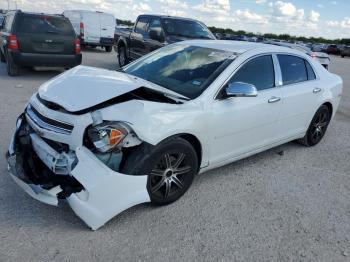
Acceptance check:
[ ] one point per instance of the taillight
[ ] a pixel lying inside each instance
(12, 42)
(77, 47)
(81, 29)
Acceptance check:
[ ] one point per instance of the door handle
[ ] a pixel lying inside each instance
(316, 90)
(274, 99)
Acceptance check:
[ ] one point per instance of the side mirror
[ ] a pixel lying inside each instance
(239, 89)
(156, 35)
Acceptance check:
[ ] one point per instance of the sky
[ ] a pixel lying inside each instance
(329, 19)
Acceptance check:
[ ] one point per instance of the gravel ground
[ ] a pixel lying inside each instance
(270, 207)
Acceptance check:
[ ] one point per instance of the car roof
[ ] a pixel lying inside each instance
(168, 16)
(237, 47)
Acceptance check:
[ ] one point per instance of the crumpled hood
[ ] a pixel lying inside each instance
(83, 87)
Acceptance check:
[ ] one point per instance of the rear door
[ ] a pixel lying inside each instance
(137, 38)
(300, 91)
(44, 34)
(107, 22)
(92, 27)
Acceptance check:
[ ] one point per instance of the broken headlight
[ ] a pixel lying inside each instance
(108, 135)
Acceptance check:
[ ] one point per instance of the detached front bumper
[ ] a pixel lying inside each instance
(95, 192)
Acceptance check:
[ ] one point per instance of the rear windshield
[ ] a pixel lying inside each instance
(185, 28)
(41, 24)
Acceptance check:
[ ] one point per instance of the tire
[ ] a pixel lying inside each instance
(108, 49)
(122, 58)
(170, 166)
(317, 127)
(12, 69)
(2, 57)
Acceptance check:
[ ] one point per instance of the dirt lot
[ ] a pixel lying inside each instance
(269, 207)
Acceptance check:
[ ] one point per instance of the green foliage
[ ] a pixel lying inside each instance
(125, 22)
(286, 37)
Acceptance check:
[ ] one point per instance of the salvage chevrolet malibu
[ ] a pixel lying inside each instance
(105, 141)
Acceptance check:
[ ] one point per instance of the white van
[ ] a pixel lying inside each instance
(93, 28)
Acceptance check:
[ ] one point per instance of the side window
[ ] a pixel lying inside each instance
(258, 71)
(155, 25)
(293, 69)
(8, 23)
(310, 72)
(141, 25)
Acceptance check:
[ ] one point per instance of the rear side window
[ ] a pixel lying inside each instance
(141, 25)
(258, 72)
(8, 23)
(44, 25)
(310, 72)
(293, 69)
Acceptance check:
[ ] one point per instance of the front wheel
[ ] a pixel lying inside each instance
(170, 166)
(317, 128)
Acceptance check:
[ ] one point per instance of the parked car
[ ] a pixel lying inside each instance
(93, 28)
(31, 39)
(319, 48)
(2, 16)
(345, 51)
(107, 140)
(333, 50)
(152, 32)
(323, 58)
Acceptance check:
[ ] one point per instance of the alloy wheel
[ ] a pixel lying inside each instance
(169, 174)
(319, 126)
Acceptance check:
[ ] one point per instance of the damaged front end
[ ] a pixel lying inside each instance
(87, 178)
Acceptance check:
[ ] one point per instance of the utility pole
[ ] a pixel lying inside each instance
(8, 5)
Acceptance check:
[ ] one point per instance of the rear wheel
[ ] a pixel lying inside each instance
(12, 69)
(122, 59)
(170, 167)
(108, 49)
(2, 57)
(317, 128)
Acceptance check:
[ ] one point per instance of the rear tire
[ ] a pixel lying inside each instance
(317, 127)
(12, 69)
(2, 57)
(108, 49)
(122, 58)
(170, 166)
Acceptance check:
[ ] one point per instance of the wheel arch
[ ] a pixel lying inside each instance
(194, 142)
(329, 106)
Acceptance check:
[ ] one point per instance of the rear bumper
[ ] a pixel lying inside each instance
(50, 60)
(104, 41)
(95, 192)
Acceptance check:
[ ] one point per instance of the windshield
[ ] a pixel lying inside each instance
(42, 24)
(186, 28)
(187, 70)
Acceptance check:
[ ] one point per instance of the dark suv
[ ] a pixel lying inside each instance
(31, 39)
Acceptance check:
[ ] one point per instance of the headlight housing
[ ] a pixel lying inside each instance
(108, 135)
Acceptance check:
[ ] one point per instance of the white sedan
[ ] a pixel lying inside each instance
(105, 141)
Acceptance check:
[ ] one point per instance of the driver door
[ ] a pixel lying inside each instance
(246, 124)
